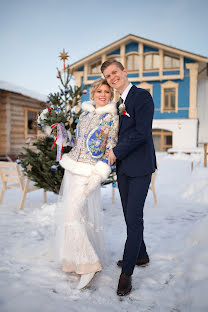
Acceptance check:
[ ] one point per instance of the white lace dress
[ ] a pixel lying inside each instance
(79, 235)
(80, 228)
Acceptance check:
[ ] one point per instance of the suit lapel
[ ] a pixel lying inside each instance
(129, 97)
(127, 104)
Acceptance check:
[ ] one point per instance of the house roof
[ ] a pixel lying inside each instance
(127, 39)
(7, 86)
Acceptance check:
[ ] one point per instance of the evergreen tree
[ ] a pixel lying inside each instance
(41, 163)
(63, 107)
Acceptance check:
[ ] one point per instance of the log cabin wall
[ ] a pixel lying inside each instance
(4, 120)
(13, 121)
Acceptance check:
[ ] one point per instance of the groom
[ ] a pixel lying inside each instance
(135, 162)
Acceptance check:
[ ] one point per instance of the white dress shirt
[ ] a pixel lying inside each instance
(126, 91)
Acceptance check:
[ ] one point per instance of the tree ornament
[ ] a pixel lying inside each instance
(54, 168)
(63, 55)
(29, 167)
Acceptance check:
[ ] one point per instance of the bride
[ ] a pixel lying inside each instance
(79, 232)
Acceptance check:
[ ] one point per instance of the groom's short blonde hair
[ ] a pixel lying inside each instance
(110, 62)
(96, 84)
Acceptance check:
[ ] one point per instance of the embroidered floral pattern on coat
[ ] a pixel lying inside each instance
(95, 135)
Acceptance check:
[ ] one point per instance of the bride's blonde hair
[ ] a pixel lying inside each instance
(96, 84)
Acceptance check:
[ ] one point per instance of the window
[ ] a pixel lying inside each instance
(169, 97)
(132, 62)
(171, 62)
(95, 67)
(151, 61)
(162, 139)
(169, 101)
(30, 122)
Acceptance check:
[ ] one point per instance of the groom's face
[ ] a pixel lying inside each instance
(116, 77)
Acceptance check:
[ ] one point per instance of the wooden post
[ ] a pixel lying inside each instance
(113, 195)
(44, 196)
(205, 155)
(24, 193)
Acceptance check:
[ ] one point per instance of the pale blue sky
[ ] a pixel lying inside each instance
(33, 32)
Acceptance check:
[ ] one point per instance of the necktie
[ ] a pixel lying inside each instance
(120, 100)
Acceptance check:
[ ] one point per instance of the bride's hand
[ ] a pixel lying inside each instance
(93, 182)
(111, 158)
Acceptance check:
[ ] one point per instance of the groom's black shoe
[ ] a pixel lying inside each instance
(139, 262)
(124, 285)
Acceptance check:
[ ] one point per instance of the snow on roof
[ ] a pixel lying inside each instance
(4, 85)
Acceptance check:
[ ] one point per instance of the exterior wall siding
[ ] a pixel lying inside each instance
(149, 49)
(3, 123)
(114, 52)
(131, 47)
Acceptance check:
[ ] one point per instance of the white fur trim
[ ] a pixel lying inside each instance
(76, 167)
(84, 169)
(89, 106)
(102, 169)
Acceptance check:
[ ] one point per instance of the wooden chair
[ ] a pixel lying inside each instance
(11, 177)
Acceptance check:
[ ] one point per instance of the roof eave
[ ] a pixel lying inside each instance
(129, 37)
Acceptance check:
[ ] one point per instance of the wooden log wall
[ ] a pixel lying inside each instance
(12, 121)
(4, 116)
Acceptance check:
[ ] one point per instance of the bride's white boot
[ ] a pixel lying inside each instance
(85, 279)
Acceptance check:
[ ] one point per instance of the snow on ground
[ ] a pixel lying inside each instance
(176, 280)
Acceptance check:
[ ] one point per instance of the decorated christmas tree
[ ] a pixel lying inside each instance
(57, 123)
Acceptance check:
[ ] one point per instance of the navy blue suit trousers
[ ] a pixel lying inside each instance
(133, 192)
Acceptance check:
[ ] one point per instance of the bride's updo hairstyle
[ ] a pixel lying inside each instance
(96, 84)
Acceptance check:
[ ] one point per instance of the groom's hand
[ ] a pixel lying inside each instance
(111, 158)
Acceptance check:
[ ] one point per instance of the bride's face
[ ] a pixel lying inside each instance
(102, 96)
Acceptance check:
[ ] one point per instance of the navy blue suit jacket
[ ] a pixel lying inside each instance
(135, 151)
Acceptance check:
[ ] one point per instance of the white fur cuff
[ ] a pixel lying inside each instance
(76, 167)
(102, 169)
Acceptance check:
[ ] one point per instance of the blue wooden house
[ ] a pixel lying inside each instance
(171, 76)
